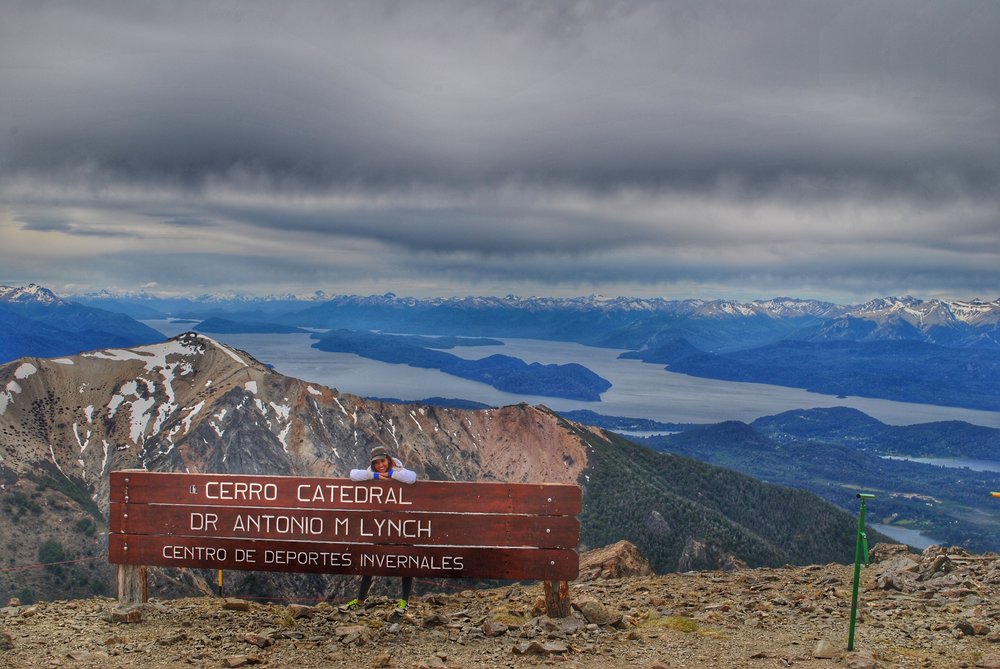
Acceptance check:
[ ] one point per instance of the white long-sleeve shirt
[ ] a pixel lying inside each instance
(397, 473)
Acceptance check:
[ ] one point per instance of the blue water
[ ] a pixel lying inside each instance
(956, 463)
(639, 390)
(913, 538)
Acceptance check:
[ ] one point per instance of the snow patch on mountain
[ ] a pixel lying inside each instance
(977, 312)
(7, 396)
(24, 371)
(195, 410)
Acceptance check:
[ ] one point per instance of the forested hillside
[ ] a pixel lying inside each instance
(667, 504)
(836, 462)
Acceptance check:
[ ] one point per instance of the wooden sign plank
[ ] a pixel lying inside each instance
(344, 558)
(379, 527)
(138, 486)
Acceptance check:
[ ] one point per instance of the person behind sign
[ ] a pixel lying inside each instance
(383, 466)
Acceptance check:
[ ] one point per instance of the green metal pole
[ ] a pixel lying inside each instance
(860, 555)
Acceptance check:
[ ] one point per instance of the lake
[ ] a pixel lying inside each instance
(639, 390)
(955, 463)
(904, 536)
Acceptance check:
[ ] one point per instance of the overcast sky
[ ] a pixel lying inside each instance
(838, 150)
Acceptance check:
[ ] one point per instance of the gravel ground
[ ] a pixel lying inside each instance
(938, 609)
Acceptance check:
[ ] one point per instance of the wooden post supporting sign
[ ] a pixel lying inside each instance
(557, 603)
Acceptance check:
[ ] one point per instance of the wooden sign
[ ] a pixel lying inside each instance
(142, 487)
(377, 527)
(345, 558)
(325, 525)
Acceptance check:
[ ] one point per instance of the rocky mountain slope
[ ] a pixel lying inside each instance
(191, 404)
(938, 609)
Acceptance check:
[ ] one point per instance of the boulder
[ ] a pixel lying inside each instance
(883, 552)
(862, 659)
(234, 604)
(615, 561)
(301, 611)
(699, 555)
(596, 613)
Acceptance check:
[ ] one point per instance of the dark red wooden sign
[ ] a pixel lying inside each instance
(137, 486)
(327, 525)
(377, 527)
(342, 558)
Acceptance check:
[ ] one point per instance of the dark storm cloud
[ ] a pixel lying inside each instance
(182, 220)
(659, 141)
(644, 93)
(46, 225)
(69, 228)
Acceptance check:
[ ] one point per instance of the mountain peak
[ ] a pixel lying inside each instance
(30, 294)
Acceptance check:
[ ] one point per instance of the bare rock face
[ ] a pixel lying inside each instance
(615, 561)
(698, 555)
(936, 570)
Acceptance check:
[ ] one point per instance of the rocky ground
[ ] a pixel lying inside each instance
(936, 609)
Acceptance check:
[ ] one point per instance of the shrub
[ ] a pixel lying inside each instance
(51, 552)
(86, 526)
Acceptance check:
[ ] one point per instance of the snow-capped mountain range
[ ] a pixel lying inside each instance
(911, 309)
(618, 322)
(932, 312)
(30, 294)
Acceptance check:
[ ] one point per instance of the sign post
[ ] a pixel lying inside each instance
(860, 555)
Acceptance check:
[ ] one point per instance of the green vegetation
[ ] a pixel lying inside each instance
(653, 621)
(836, 453)
(85, 526)
(840, 425)
(50, 553)
(74, 490)
(18, 503)
(664, 503)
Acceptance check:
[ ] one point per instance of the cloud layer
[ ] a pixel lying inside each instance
(823, 149)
